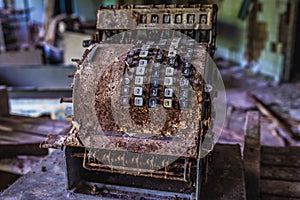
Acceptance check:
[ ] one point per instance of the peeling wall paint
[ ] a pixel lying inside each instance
(271, 59)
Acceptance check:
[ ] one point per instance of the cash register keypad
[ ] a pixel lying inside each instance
(154, 76)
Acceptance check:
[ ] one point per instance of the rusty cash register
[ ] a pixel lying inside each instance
(141, 103)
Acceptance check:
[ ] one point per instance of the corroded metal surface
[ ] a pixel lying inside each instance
(85, 88)
(162, 141)
(197, 21)
(188, 17)
(50, 183)
(94, 105)
(183, 169)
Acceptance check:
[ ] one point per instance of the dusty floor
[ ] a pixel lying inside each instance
(284, 99)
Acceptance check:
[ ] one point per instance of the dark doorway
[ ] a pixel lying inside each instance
(295, 68)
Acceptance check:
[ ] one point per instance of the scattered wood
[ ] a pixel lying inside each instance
(280, 188)
(252, 155)
(11, 150)
(276, 133)
(225, 174)
(293, 150)
(272, 197)
(23, 135)
(230, 136)
(276, 118)
(280, 174)
(291, 121)
(280, 156)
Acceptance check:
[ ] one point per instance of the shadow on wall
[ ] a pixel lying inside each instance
(229, 32)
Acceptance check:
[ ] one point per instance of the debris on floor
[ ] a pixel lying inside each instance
(283, 100)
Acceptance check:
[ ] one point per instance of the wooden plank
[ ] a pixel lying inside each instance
(19, 137)
(225, 176)
(13, 150)
(280, 188)
(33, 120)
(4, 105)
(252, 155)
(280, 173)
(272, 197)
(281, 150)
(36, 126)
(46, 129)
(277, 119)
(281, 156)
(23, 135)
(284, 160)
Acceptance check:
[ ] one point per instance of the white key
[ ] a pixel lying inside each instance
(140, 70)
(138, 101)
(169, 71)
(139, 80)
(143, 63)
(168, 81)
(172, 54)
(168, 92)
(138, 91)
(143, 54)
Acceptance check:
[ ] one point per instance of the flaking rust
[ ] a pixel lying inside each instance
(72, 138)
